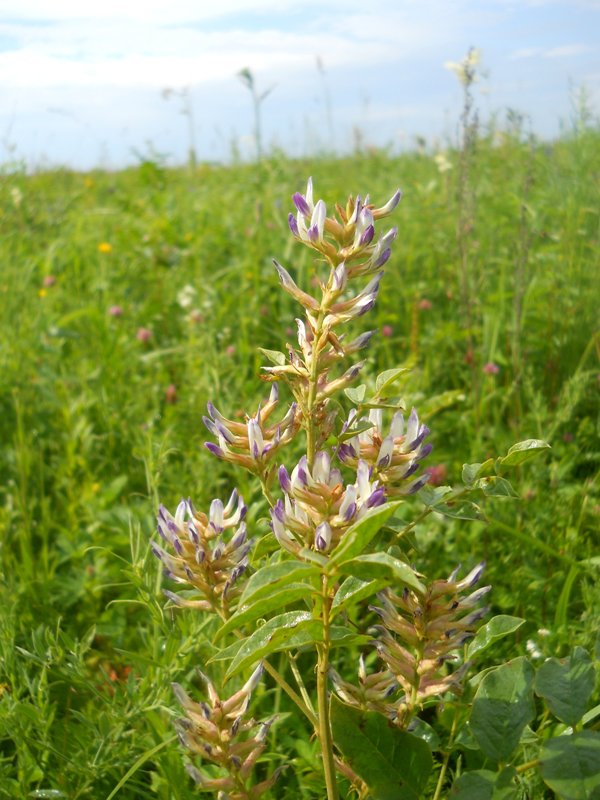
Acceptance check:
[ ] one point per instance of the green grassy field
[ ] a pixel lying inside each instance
(131, 299)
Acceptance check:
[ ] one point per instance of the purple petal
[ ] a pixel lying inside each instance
(210, 425)
(392, 202)
(313, 233)
(214, 449)
(383, 257)
(323, 536)
(300, 202)
(418, 484)
(193, 533)
(424, 451)
(346, 451)
(367, 235)
(362, 340)
(377, 498)
(278, 511)
(367, 306)
(284, 480)
(293, 225)
(177, 545)
(240, 537)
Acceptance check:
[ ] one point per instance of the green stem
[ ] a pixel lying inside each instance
(266, 491)
(445, 762)
(529, 765)
(311, 425)
(427, 511)
(292, 694)
(303, 692)
(325, 735)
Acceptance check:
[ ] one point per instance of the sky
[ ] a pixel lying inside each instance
(106, 84)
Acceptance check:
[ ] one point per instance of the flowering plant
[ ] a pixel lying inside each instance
(333, 576)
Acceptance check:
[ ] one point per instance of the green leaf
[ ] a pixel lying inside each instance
(460, 509)
(567, 685)
(475, 785)
(283, 596)
(288, 631)
(394, 764)
(279, 633)
(502, 707)
(228, 652)
(359, 535)
(432, 405)
(493, 486)
(497, 628)
(342, 637)
(316, 558)
(387, 378)
(591, 715)
(470, 472)
(523, 451)
(274, 577)
(274, 356)
(433, 495)
(570, 765)
(422, 730)
(382, 565)
(350, 433)
(356, 394)
(482, 784)
(352, 591)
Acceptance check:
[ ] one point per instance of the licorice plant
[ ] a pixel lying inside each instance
(330, 582)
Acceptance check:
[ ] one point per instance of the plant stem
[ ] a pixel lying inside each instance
(291, 693)
(266, 491)
(528, 765)
(303, 692)
(311, 423)
(442, 775)
(325, 736)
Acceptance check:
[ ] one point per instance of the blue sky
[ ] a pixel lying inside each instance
(83, 84)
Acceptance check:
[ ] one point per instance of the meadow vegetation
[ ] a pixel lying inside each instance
(131, 299)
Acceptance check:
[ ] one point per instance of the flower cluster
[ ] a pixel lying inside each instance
(372, 692)
(418, 635)
(318, 508)
(350, 245)
(210, 552)
(349, 238)
(252, 444)
(395, 456)
(216, 731)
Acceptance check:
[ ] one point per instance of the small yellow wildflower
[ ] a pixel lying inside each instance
(105, 247)
(42, 292)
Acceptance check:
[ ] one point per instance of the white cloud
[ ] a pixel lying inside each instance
(108, 47)
(525, 52)
(172, 57)
(567, 50)
(157, 11)
(563, 51)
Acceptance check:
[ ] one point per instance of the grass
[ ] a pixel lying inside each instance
(96, 424)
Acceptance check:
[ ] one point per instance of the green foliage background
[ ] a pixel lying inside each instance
(90, 437)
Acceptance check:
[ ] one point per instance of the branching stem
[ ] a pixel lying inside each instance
(325, 735)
